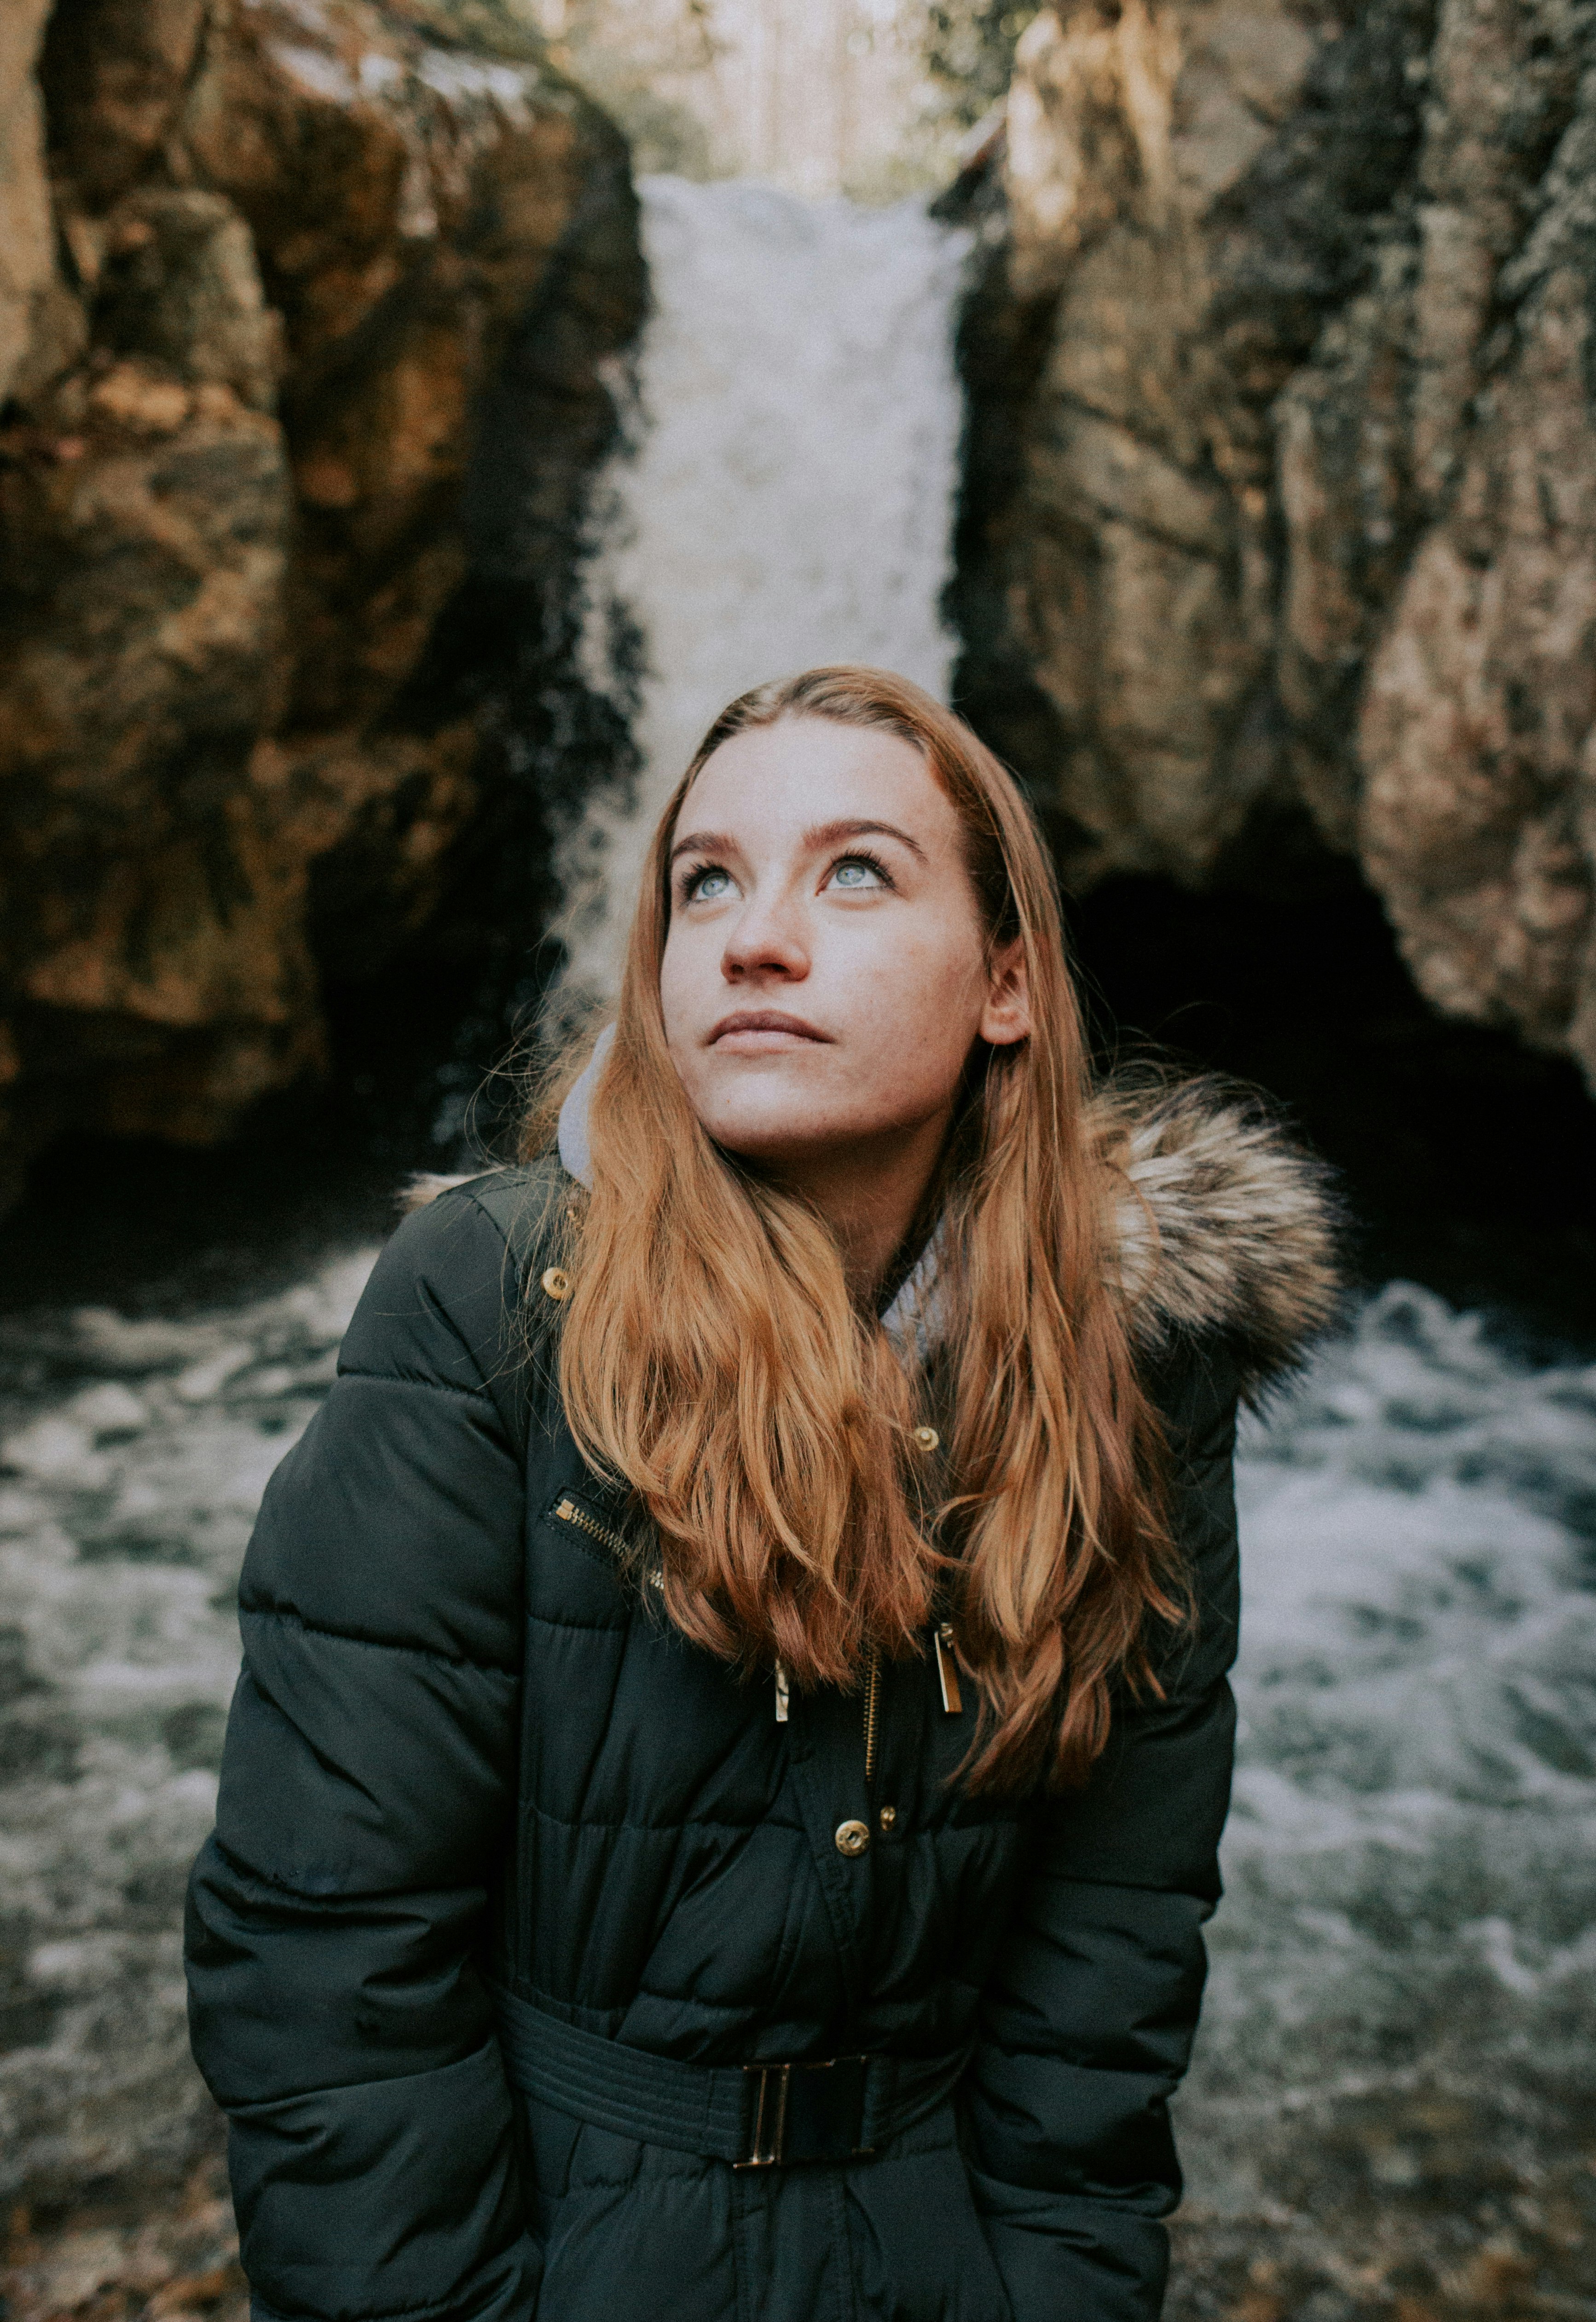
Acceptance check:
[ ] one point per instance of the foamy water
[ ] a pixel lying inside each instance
(1410, 1861)
(787, 497)
(130, 1473)
(1411, 1864)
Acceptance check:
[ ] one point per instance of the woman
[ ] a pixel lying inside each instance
(722, 1794)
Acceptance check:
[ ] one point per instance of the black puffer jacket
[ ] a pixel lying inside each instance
(467, 1755)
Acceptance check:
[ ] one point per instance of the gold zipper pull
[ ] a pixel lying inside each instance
(569, 1512)
(781, 1695)
(947, 1671)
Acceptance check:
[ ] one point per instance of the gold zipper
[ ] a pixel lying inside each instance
(947, 1670)
(569, 1512)
(873, 1701)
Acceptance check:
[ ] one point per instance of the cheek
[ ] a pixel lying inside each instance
(680, 973)
(917, 1010)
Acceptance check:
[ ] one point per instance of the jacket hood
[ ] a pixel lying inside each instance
(1225, 1226)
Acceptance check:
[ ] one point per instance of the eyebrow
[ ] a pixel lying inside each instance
(824, 834)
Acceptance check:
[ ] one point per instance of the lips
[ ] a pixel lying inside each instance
(771, 1021)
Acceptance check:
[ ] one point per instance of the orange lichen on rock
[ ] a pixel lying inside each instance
(292, 256)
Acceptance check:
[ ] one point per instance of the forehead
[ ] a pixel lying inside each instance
(777, 780)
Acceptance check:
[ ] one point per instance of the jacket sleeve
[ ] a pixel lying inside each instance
(334, 1918)
(1087, 2024)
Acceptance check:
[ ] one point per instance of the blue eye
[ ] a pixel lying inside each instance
(856, 873)
(709, 886)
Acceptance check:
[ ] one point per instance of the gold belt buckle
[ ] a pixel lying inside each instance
(839, 2084)
(769, 2116)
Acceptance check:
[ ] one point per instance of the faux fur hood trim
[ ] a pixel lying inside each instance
(1226, 1228)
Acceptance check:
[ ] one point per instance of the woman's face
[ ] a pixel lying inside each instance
(825, 975)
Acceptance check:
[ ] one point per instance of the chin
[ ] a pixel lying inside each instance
(798, 1137)
(761, 1114)
(767, 1140)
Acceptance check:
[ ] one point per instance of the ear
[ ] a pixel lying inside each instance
(1007, 1015)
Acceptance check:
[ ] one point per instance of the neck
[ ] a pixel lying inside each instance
(870, 1194)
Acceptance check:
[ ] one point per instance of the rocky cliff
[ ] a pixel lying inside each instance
(1282, 491)
(272, 274)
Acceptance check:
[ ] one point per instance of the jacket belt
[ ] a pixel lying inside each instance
(754, 2116)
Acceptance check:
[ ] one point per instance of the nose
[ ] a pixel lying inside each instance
(767, 938)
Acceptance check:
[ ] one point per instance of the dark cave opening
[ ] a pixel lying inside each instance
(156, 1228)
(1467, 1161)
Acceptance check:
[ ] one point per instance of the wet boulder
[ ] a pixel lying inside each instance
(290, 258)
(25, 235)
(1280, 515)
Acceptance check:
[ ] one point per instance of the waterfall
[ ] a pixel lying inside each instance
(785, 498)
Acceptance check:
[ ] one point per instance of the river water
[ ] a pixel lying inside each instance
(1393, 2104)
(1398, 2058)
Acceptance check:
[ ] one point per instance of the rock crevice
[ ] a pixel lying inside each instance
(1288, 310)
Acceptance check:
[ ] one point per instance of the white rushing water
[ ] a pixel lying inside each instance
(787, 496)
(1411, 1861)
(133, 1461)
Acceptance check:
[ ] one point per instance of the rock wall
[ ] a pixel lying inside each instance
(1283, 461)
(269, 272)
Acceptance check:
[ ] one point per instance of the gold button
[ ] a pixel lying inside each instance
(852, 1838)
(928, 1438)
(557, 1282)
(889, 1816)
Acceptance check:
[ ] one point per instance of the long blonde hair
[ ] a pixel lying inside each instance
(713, 1359)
